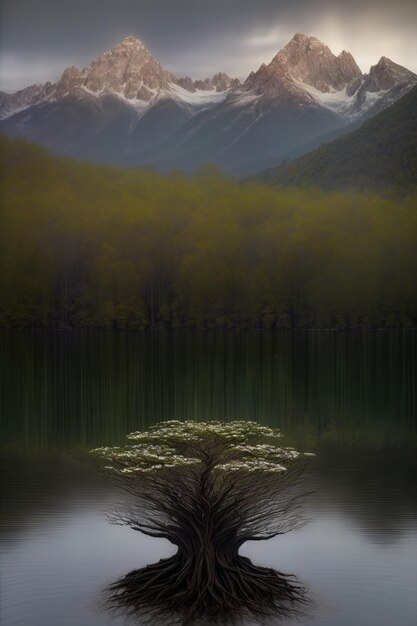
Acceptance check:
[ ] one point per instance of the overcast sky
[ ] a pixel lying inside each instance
(39, 38)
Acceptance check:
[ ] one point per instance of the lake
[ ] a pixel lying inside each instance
(349, 396)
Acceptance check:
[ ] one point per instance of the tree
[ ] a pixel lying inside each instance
(208, 487)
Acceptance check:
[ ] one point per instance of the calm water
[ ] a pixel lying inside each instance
(351, 395)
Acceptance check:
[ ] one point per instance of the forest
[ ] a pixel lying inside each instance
(85, 246)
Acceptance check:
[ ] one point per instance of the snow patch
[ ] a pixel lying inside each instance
(12, 111)
(371, 98)
(243, 98)
(337, 101)
(198, 98)
(140, 106)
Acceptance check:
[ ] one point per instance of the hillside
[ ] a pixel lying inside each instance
(381, 153)
(96, 246)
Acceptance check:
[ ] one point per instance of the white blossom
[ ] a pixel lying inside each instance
(239, 445)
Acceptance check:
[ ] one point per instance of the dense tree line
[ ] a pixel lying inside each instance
(89, 246)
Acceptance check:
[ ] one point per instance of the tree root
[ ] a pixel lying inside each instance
(183, 591)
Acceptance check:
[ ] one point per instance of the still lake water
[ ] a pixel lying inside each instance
(351, 396)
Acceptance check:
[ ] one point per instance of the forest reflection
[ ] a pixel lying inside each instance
(66, 389)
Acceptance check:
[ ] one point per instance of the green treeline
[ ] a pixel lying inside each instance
(89, 246)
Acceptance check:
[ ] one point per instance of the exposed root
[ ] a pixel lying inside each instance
(208, 488)
(182, 591)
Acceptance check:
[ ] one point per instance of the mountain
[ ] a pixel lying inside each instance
(271, 114)
(305, 61)
(22, 99)
(382, 152)
(125, 107)
(96, 113)
(128, 70)
(305, 93)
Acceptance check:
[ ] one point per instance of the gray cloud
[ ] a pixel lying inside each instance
(39, 38)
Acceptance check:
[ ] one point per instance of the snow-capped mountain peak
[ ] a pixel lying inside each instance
(312, 62)
(306, 72)
(128, 69)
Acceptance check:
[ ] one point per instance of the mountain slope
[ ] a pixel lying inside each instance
(238, 140)
(382, 152)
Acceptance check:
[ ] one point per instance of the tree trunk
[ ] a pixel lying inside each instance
(206, 578)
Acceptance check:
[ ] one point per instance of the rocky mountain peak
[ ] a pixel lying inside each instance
(9, 103)
(128, 42)
(346, 58)
(310, 61)
(130, 49)
(220, 82)
(300, 38)
(305, 62)
(70, 79)
(129, 69)
(386, 74)
(300, 46)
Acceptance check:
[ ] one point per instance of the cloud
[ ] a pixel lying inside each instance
(39, 38)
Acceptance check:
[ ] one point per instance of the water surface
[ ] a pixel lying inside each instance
(351, 395)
